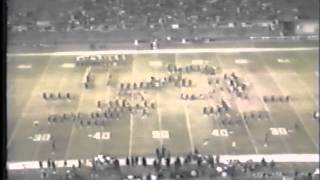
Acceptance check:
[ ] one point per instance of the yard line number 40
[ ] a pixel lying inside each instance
(100, 135)
(220, 132)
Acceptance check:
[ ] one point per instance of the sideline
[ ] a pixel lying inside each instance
(278, 158)
(165, 51)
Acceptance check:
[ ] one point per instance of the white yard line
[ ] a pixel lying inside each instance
(220, 139)
(36, 152)
(272, 120)
(101, 140)
(24, 66)
(245, 125)
(131, 136)
(186, 112)
(249, 133)
(73, 125)
(293, 108)
(159, 119)
(278, 158)
(166, 51)
(68, 65)
(84, 78)
(220, 126)
(131, 115)
(307, 88)
(27, 106)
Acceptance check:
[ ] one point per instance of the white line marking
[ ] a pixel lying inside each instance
(293, 108)
(100, 149)
(266, 107)
(156, 64)
(131, 135)
(36, 152)
(24, 66)
(186, 112)
(68, 65)
(27, 106)
(272, 120)
(249, 133)
(84, 78)
(159, 119)
(131, 116)
(166, 51)
(252, 140)
(283, 60)
(197, 62)
(73, 125)
(307, 88)
(241, 61)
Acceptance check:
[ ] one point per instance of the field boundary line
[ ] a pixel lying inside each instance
(166, 51)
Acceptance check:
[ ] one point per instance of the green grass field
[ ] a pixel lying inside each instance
(188, 128)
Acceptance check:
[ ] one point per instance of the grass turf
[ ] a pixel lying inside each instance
(187, 127)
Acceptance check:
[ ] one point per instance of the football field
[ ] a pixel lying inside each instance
(179, 125)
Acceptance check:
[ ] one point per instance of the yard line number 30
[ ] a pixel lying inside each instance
(41, 137)
(279, 131)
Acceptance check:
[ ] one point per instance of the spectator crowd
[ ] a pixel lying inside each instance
(164, 166)
(100, 15)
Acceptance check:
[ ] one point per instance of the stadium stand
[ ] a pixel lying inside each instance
(163, 15)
